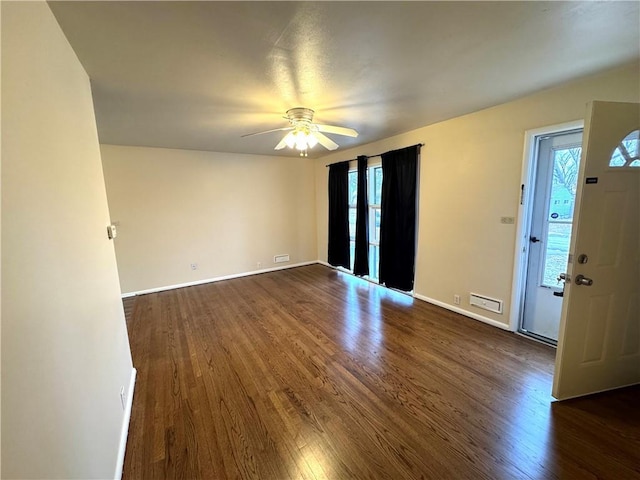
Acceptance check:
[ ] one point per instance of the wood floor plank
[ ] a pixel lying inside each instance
(309, 373)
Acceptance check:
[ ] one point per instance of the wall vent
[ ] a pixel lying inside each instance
(281, 258)
(487, 303)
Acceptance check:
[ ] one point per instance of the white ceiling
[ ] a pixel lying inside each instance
(198, 75)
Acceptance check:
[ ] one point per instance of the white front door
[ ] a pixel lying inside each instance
(557, 165)
(599, 339)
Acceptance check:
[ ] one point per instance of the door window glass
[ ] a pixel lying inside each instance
(626, 153)
(564, 184)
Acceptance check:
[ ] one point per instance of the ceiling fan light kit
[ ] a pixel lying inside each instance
(303, 134)
(300, 140)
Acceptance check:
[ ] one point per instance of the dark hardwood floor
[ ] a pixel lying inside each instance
(312, 373)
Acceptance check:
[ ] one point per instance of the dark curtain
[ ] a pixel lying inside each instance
(338, 254)
(361, 262)
(398, 218)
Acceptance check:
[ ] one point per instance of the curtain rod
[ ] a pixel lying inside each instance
(376, 155)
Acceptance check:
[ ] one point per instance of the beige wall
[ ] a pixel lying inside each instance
(224, 212)
(470, 177)
(65, 351)
(0, 261)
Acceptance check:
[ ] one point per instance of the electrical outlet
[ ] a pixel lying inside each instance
(456, 299)
(194, 266)
(123, 397)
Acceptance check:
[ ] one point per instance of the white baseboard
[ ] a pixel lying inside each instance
(462, 311)
(216, 279)
(124, 433)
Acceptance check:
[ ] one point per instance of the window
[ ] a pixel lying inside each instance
(374, 182)
(564, 183)
(353, 200)
(626, 153)
(375, 200)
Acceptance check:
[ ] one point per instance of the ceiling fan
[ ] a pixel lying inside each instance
(304, 134)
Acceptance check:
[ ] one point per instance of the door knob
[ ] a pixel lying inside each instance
(582, 280)
(534, 239)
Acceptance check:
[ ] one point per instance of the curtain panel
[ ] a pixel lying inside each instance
(338, 251)
(398, 218)
(361, 261)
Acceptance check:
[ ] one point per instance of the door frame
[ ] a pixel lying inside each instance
(525, 214)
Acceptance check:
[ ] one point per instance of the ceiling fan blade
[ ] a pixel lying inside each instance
(325, 141)
(282, 144)
(347, 132)
(268, 131)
